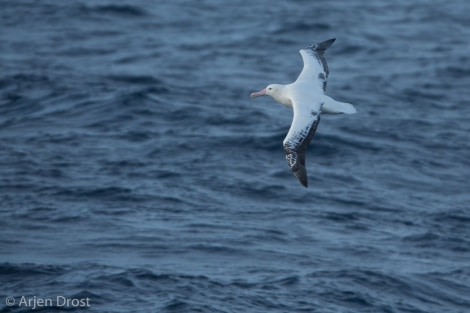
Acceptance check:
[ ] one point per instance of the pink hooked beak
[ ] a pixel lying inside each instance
(258, 93)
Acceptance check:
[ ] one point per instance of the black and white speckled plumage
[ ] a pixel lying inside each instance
(307, 109)
(315, 66)
(295, 146)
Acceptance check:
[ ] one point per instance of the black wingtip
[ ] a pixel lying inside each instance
(322, 46)
(301, 175)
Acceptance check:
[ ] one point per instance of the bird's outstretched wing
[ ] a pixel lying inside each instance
(315, 67)
(302, 129)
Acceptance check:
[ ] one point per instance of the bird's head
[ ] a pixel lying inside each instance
(275, 91)
(272, 90)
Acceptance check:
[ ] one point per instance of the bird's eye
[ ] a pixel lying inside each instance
(269, 88)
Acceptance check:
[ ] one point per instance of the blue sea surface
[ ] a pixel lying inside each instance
(136, 172)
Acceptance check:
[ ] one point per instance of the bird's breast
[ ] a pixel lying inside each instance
(287, 102)
(283, 99)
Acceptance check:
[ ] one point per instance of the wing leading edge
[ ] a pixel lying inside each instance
(301, 132)
(315, 66)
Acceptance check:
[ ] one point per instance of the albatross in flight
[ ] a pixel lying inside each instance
(308, 99)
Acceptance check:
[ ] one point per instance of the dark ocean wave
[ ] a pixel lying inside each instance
(326, 289)
(120, 11)
(301, 26)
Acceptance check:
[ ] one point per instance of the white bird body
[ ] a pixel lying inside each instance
(306, 96)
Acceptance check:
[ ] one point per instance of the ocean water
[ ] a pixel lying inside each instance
(136, 174)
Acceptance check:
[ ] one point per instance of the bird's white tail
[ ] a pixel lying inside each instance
(331, 106)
